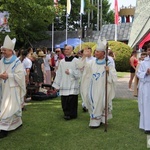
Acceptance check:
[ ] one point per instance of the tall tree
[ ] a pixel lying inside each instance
(74, 18)
(28, 19)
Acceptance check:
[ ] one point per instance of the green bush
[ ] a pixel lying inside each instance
(122, 53)
(121, 50)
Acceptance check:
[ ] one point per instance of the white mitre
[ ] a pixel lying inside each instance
(101, 45)
(9, 44)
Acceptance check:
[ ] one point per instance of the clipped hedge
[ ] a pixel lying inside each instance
(122, 53)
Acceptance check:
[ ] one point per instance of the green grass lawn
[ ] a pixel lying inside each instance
(45, 129)
(122, 74)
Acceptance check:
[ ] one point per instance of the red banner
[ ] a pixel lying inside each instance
(147, 38)
(55, 3)
(116, 12)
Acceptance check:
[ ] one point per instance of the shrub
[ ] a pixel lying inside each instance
(122, 53)
(121, 50)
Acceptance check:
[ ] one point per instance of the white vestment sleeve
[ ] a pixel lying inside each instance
(58, 78)
(112, 76)
(17, 78)
(76, 72)
(141, 73)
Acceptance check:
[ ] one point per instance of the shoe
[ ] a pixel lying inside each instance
(3, 134)
(73, 117)
(94, 127)
(24, 109)
(27, 99)
(67, 117)
(130, 90)
(147, 131)
(85, 109)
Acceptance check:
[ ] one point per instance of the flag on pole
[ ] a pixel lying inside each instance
(68, 7)
(116, 12)
(82, 7)
(55, 3)
(4, 26)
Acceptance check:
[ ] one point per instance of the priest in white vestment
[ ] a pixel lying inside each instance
(83, 82)
(67, 82)
(95, 72)
(143, 92)
(12, 80)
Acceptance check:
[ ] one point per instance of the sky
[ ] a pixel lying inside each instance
(123, 2)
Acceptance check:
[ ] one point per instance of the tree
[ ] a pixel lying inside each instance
(74, 17)
(28, 19)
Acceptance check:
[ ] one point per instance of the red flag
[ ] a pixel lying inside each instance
(116, 12)
(55, 3)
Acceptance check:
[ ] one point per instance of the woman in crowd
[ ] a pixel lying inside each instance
(46, 60)
(133, 64)
(38, 67)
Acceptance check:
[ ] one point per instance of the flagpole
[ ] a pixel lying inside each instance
(55, 5)
(116, 18)
(80, 20)
(81, 29)
(92, 16)
(101, 14)
(67, 14)
(89, 18)
(66, 27)
(97, 15)
(53, 37)
(81, 12)
(115, 32)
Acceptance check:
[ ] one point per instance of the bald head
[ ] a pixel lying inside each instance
(68, 50)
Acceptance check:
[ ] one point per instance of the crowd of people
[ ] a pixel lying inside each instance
(70, 74)
(139, 73)
(18, 70)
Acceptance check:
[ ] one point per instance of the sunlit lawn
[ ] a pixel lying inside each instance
(45, 129)
(122, 74)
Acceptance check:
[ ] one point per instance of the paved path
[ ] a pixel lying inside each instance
(122, 88)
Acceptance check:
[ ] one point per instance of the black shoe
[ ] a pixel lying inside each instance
(24, 109)
(85, 109)
(73, 117)
(67, 117)
(147, 131)
(3, 134)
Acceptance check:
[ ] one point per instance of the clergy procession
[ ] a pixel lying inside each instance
(94, 77)
(90, 91)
